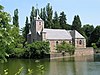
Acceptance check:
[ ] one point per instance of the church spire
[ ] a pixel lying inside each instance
(37, 13)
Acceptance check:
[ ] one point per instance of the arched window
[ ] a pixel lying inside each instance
(56, 42)
(39, 23)
(80, 42)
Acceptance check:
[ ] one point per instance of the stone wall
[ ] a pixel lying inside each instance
(84, 51)
(78, 52)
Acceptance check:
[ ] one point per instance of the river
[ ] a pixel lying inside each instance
(87, 65)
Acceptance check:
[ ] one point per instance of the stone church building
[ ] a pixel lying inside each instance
(54, 36)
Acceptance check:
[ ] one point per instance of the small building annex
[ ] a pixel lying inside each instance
(54, 36)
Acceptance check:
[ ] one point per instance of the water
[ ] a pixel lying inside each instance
(88, 65)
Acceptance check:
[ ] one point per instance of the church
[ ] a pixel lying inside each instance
(54, 36)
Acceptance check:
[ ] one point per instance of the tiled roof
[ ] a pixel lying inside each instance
(60, 34)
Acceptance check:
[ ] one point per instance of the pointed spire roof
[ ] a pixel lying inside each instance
(37, 13)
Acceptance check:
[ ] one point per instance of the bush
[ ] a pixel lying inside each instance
(94, 45)
(66, 48)
(37, 49)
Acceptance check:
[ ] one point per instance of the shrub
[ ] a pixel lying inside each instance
(37, 49)
(66, 48)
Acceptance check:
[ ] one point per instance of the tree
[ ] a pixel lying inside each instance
(76, 24)
(88, 29)
(15, 18)
(62, 20)
(37, 49)
(95, 35)
(66, 47)
(44, 16)
(56, 21)
(26, 29)
(49, 13)
(41, 13)
(32, 14)
(5, 37)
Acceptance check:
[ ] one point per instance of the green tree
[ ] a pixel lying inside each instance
(49, 13)
(44, 16)
(32, 14)
(62, 20)
(41, 13)
(26, 29)
(88, 29)
(5, 37)
(15, 18)
(98, 43)
(37, 49)
(95, 35)
(56, 21)
(66, 48)
(76, 24)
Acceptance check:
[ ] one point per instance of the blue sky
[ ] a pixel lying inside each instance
(88, 10)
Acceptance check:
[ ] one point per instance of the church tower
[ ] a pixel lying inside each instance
(37, 27)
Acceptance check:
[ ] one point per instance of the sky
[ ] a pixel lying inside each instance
(88, 10)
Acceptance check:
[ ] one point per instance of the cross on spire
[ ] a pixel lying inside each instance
(36, 6)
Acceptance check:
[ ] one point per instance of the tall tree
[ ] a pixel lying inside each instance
(95, 35)
(32, 14)
(15, 18)
(49, 13)
(76, 24)
(26, 29)
(44, 16)
(88, 29)
(56, 21)
(62, 20)
(41, 13)
(5, 37)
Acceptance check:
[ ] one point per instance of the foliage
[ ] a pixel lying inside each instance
(88, 29)
(5, 37)
(49, 13)
(62, 20)
(26, 29)
(15, 18)
(95, 35)
(37, 49)
(76, 24)
(66, 47)
(41, 69)
(32, 14)
(56, 21)
(30, 72)
(94, 45)
(98, 43)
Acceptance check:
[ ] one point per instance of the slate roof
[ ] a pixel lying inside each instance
(78, 35)
(59, 34)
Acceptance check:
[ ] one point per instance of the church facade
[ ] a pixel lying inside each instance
(54, 36)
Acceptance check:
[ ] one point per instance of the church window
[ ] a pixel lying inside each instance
(39, 23)
(56, 42)
(80, 42)
(33, 40)
(69, 41)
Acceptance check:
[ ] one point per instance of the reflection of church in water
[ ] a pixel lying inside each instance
(54, 36)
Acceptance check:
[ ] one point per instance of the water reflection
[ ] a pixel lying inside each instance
(65, 66)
